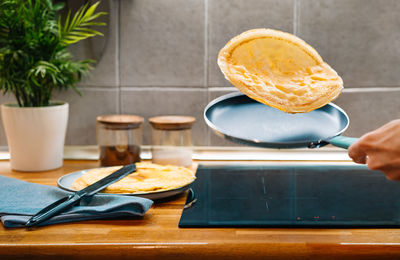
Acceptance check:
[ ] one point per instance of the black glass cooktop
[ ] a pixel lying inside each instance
(292, 196)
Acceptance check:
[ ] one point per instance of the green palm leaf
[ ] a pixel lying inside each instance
(34, 59)
(75, 29)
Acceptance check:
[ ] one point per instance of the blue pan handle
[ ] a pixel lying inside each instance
(342, 141)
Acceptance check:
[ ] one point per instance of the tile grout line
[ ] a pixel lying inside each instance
(206, 39)
(205, 61)
(295, 16)
(98, 88)
(118, 53)
(232, 89)
(163, 88)
(370, 89)
(200, 86)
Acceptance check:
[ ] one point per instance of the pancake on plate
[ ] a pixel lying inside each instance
(148, 177)
(279, 70)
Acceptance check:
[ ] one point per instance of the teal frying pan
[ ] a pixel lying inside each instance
(241, 119)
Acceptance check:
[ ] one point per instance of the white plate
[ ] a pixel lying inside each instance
(65, 182)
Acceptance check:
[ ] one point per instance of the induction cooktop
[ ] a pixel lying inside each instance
(291, 196)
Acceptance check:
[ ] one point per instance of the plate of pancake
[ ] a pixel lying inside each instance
(152, 181)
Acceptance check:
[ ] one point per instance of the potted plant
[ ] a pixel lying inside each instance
(34, 61)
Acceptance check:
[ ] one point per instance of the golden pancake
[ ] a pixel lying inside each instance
(148, 177)
(279, 70)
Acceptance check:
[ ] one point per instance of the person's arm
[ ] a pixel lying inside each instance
(380, 150)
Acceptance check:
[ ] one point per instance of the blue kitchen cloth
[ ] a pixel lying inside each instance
(19, 200)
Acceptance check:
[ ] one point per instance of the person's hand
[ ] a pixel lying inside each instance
(380, 150)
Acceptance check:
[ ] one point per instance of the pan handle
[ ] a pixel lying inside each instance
(342, 141)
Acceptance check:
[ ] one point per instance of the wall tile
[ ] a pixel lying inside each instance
(83, 111)
(148, 102)
(162, 43)
(228, 18)
(369, 110)
(358, 38)
(103, 49)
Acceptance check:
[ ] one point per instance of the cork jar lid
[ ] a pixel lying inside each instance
(132, 121)
(172, 122)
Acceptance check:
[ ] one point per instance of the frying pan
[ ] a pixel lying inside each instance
(241, 119)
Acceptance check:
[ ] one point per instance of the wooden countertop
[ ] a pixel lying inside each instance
(157, 236)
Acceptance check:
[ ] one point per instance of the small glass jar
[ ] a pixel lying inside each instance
(119, 138)
(171, 139)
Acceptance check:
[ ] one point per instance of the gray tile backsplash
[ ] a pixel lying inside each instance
(162, 43)
(84, 109)
(159, 57)
(359, 38)
(369, 109)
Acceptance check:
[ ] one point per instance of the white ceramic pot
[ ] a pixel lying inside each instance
(35, 135)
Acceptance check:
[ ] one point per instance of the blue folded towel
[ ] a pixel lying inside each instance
(19, 200)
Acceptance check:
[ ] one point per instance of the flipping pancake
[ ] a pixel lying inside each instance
(148, 177)
(279, 70)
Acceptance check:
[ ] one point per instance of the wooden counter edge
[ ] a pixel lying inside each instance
(193, 250)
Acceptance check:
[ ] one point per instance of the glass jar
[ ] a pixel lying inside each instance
(171, 139)
(119, 138)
